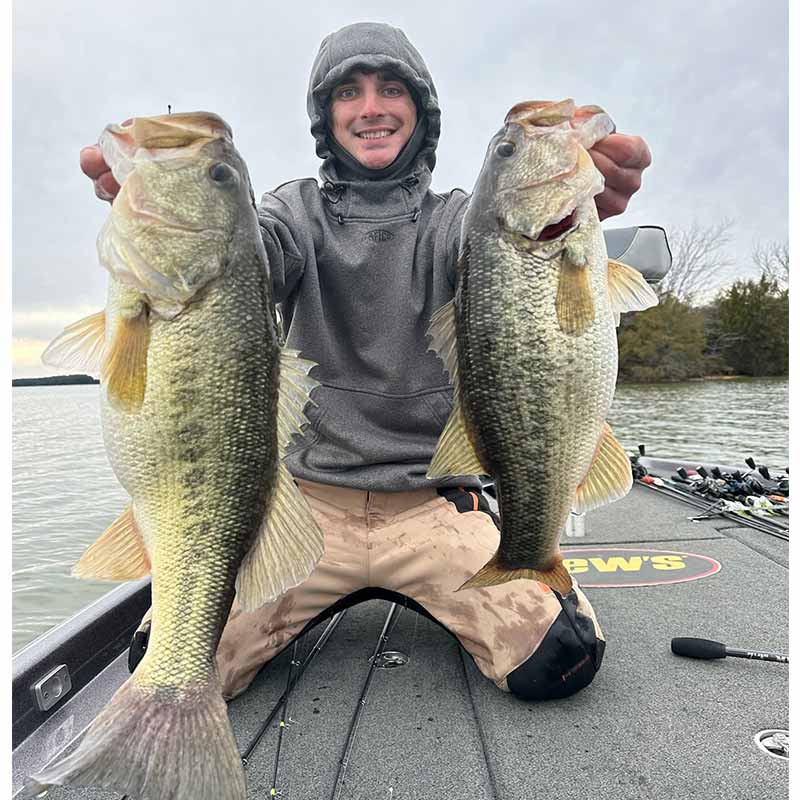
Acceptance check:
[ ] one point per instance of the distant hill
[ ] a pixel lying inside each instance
(54, 380)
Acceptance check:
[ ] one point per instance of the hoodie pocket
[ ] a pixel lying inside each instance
(440, 404)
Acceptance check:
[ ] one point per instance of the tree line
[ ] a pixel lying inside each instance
(696, 331)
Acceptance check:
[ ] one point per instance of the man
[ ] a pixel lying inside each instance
(359, 265)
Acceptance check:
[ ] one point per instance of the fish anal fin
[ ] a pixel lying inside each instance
(455, 453)
(286, 549)
(118, 555)
(609, 477)
(574, 302)
(494, 572)
(79, 346)
(628, 290)
(124, 369)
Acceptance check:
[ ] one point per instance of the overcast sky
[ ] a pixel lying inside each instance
(706, 85)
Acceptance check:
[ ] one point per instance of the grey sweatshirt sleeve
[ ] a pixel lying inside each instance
(284, 240)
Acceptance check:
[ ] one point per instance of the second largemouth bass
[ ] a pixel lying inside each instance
(530, 338)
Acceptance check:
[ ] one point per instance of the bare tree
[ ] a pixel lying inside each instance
(772, 260)
(699, 261)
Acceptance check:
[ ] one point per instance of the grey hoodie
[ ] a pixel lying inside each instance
(359, 266)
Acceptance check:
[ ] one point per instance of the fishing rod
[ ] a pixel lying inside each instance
(282, 700)
(273, 792)
(719, 509)
(692, 500)
(654, 482)
(388, 625)
(708, 649)
(290, 687)
(748, 495)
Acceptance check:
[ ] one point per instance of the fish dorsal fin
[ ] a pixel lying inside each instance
(574, 302)
(79, 346)
(124, 368)
(118, 555)
(442, 333)
(286, 549)
(293, 395)
(609, 477)
(628, 290)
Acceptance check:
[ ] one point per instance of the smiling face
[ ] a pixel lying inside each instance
(372, 116)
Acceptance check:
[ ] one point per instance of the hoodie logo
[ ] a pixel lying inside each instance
(379, 235)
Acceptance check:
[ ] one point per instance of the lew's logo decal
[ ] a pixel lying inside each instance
(379, 235)
(622, 566)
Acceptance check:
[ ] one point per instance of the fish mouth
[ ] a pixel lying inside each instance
(550, 232)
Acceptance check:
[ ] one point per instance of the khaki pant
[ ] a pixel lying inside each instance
(415, 543)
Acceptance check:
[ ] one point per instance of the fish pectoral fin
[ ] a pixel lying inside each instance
(494, 573)
(628, 290)
(293, 395)
(286, 549)
(79, 346)
(118, 555)
(609, 477)
(124, 368)
(455, 454)
(442, 333)
(574, 302)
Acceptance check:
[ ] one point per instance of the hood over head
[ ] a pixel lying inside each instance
(372, 46)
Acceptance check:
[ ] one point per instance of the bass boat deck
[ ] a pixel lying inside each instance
(383, 703)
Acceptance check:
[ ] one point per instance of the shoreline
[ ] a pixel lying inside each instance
(55, 380)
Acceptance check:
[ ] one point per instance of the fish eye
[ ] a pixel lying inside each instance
(505, 149)
(221, 172)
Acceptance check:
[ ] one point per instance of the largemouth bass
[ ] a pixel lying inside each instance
(530, 339)
(198, 402)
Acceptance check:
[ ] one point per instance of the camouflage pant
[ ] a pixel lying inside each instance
(522, 636)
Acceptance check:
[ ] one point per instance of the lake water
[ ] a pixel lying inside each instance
(65, 494)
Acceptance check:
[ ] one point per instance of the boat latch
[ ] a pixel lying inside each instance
(390, 659)
(52, 687)
(774, 742)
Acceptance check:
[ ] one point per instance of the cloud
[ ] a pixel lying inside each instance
(27, 352)
(48, 321)
(706, 85)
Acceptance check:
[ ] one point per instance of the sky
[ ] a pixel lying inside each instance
(706, 85)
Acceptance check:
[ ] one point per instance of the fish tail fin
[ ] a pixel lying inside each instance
(494, 572)
(174, 745)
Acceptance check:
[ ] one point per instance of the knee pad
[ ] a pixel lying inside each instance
(567, 659)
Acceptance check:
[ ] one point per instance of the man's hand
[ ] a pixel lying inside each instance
(622, 160)
(93, 164)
